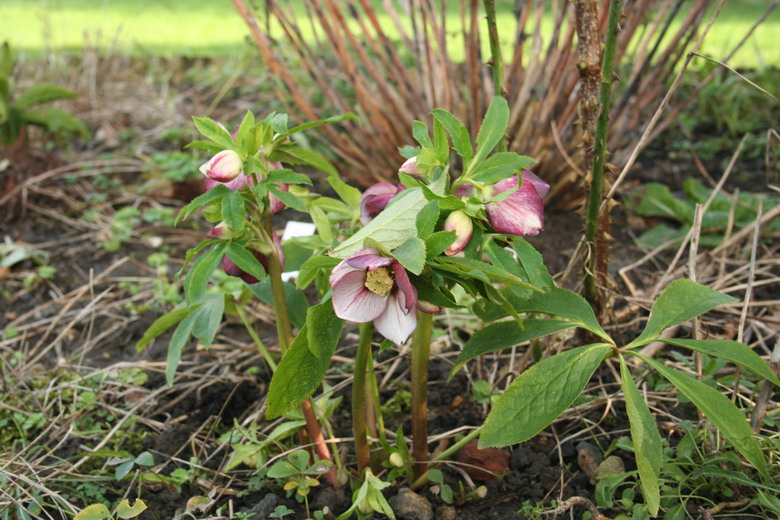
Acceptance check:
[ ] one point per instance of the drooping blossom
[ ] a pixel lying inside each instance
(230, 267)
(522, 212)
(459, 222)
(224, 167)
(370, 287)
(410, 168)
(241, 180)
(376, 198)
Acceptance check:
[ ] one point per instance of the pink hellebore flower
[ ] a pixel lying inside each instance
(369, 287)
(522, 213)
(223, 167)
(230, 267)
(463, 227)
(376, 198)
(410, 168)
(241, 180)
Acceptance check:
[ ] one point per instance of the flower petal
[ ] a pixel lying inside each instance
(235, 184)
(394, 323)
(541, 187)
(522, 213)
(375, 199)
(352, 301)
(368, 261)
(407, 294)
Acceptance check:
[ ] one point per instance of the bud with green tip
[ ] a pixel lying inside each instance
(223, 167)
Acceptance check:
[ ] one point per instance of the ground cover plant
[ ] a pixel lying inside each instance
(424, 352)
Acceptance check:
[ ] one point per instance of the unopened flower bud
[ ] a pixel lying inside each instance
(223, 167)
(428, 307)
(221, 232)
(410, 168)
(396, 459)
(459, 222)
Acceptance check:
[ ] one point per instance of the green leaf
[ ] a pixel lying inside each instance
(233, 212)
(145, 459)
(411, 255)
(481, 270)
(42, 93)
(420, 134)
(532, 262)
(161, 324)
(246, 135)
(245, 259)
(427, 219)
(441, 145)
(645, 438)
(719, 409)
(438, 242)
(562, 303)
(311, 267)
(297, 377)
(503, 334)
(492, 129)
(278, 122)
(214, 131)
(391, 227)
(123, 469)
(93, 512)
(180, 338)
(55, 120)
(734, 351)
(349, 116)
(288, 177)
(461, 141)
(215, 193)
(207, 317)
(500, 166)
(288, 198)
(293, 154)
(200, 273)
(125, 510)
(324, 329)
(540, 394)
(207, 146)
(297, 303)
(681, 301)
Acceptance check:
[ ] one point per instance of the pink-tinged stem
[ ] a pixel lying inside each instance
(421, 349)
(359, 402)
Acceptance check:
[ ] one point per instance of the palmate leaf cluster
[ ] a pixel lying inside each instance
(18, 109)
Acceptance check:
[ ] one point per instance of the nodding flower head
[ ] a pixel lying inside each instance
(223, 167)
(410, 168)
(370, 287)
(376, 198)
(243, 180)
(463, 227)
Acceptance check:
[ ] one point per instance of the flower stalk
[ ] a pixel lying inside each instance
(497, 65)
(359, 397)
(421, 349)
(597, 224)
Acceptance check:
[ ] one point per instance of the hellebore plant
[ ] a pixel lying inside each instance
(389, 260)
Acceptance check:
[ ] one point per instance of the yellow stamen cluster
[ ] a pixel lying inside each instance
(379, 281)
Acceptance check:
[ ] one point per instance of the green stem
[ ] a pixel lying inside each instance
(423, 479)
(421, 349)
(593, 265)
(251, 330)
(380, 421)
(495, 51)
(283, 326)
(359, 397)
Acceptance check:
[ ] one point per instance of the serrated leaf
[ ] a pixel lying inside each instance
(179, 339)
(214, 131)
(499, 166)
(297, 377)
(162, 324)
(503, 334)
(42, 93)
(420, 134)
(293, 154)
(288, 177)
(322, 222)
(391, 227)
(719, 409)
(215, 193)
(207, 318)
(411, 255)
(246, 135)
(233, 211)
(461, 141)
(438, 242)
(93, 512)
(645, 438)
(349, 116)
(278, 122)
(738, 353)
(324, 329)
(540, 394)
(427, 219)
(680, 302)
(208, 146)
(245, 259)
(200, 273)
(310, 268)
(481, 270)
(492, 129)
(532, 263)
(288, 198)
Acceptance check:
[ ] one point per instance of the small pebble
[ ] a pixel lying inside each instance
(408, 505)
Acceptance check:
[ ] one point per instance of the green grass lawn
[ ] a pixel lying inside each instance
(212, 28)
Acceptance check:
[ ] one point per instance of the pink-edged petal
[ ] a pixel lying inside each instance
(368, 261)
(275, 202)
(343, 267)
(542, 188)
(407, 293)
(395, 323)
(352, 301)
(464, 190)
(235, 184)
(375, 199)
(522, 213)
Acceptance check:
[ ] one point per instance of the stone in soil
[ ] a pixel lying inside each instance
(408, 505)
